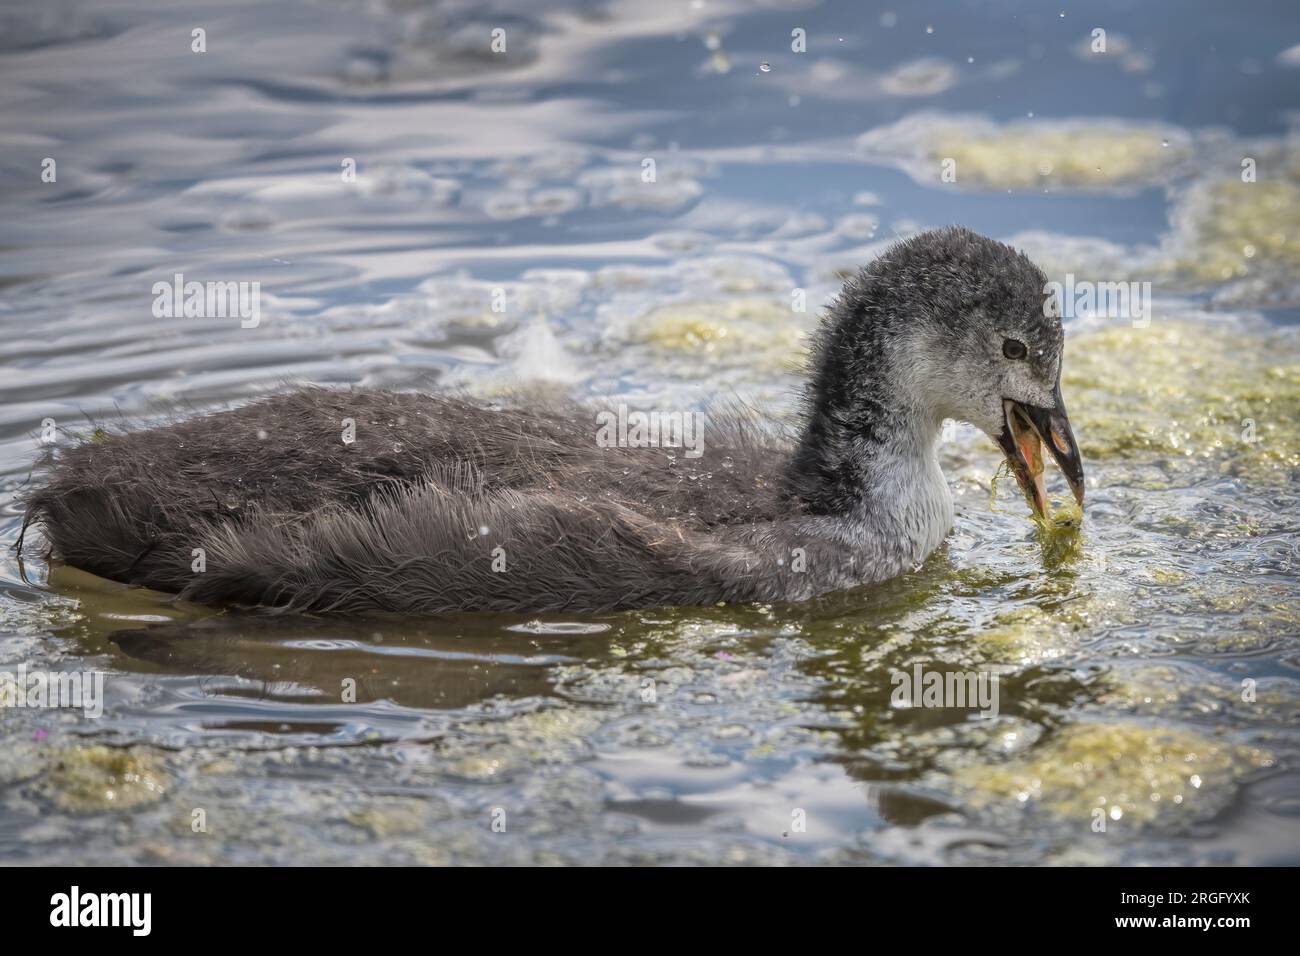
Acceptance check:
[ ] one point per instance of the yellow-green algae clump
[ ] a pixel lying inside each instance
(759, 336)
(1074, 154)
(1129, 771)
(749, 324)
(1229, 229)
(1187, 389)
(1023, 157)
(86, 779)
(1058, 530)
(1024, 634)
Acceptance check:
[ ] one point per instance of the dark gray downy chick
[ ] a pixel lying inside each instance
(441, 504)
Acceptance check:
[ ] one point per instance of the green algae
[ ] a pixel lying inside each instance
(1081, 154)
(1183, 390)
(1240, 236)
(1133, 773)
(1065, 515)
(1003, 471)
(1229, 229)
(1048, 628)
(751, 330)
(1024, 634)
(1058, 531)
(95, 778)
(1022, 156)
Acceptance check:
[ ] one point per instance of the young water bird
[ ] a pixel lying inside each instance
(440, 504)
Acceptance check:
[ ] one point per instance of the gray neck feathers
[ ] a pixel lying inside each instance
(864, 469)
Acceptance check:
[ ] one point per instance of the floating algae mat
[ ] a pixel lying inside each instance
(1237, 230)
(1123, 773)
(751, 332)
(1074, 154)
(86, 779)
(1227, 397)
(1242, 229)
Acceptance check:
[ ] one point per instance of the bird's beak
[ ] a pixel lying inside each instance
(1025, 429)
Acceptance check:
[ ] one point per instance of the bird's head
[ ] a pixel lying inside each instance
(967, 330)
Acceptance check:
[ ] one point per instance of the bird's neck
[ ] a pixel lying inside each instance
(865, 469)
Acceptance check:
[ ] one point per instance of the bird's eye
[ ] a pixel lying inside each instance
(1014, 349)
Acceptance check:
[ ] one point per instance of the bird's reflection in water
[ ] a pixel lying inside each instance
(440, 665)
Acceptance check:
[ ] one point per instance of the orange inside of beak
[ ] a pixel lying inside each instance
(1030, 447)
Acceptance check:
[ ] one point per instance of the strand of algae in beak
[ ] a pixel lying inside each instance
(1064, 514)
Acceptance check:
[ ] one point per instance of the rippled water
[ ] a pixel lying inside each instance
(1149, 664)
